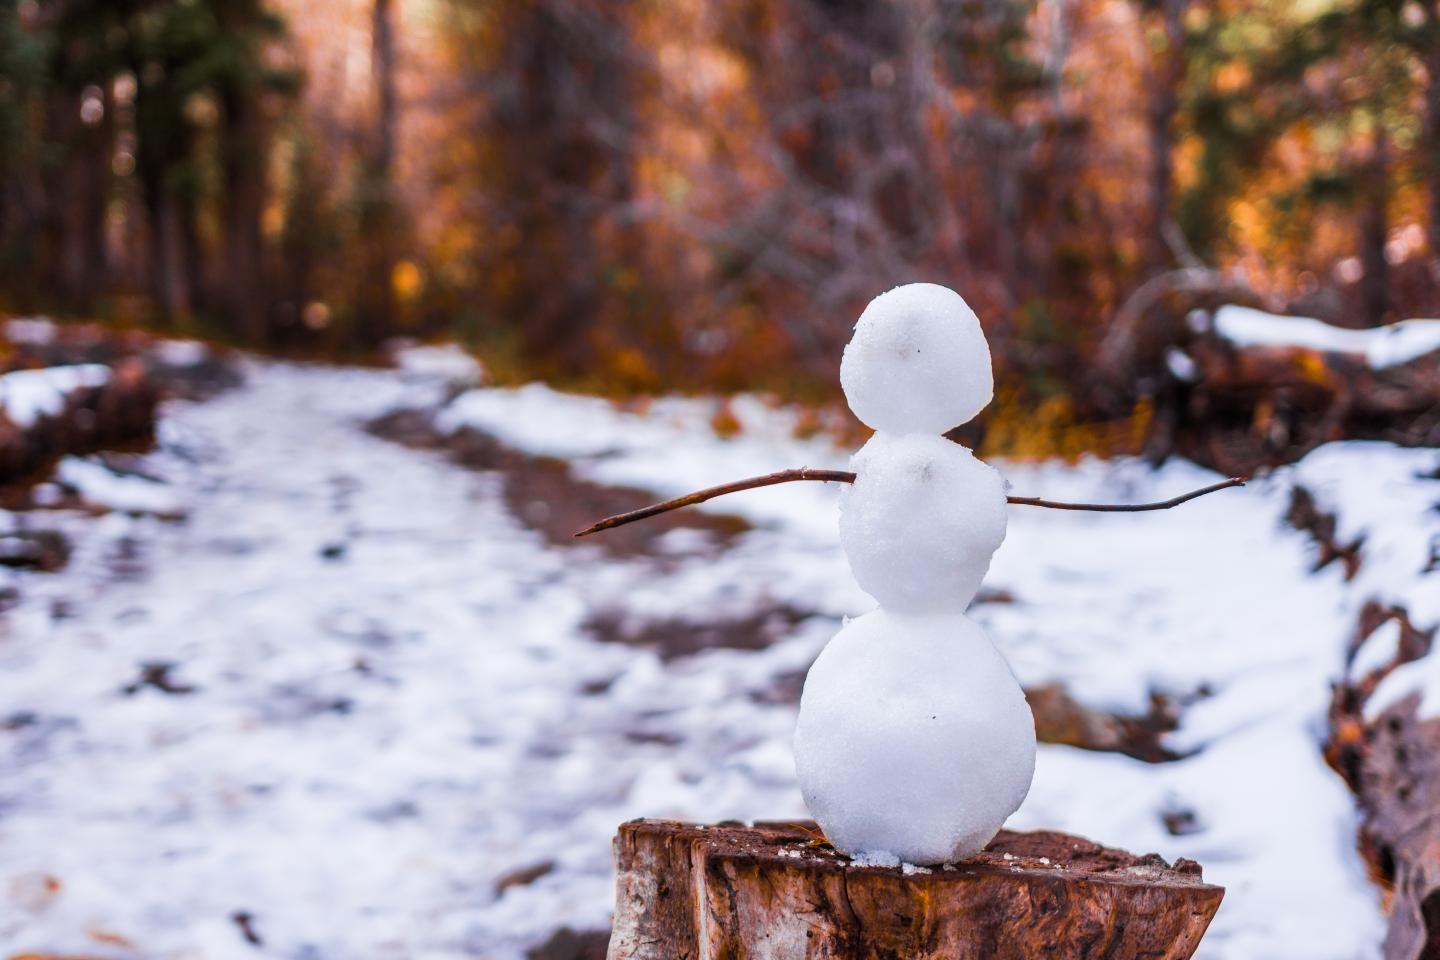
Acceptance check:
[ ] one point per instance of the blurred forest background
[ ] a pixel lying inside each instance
(702, 194)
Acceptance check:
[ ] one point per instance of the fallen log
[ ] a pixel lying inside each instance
(1262, 390)
(1390, 758)
(56, 412)
(777, 891)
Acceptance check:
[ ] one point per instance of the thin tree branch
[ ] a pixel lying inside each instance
(1130, 507)
(845, 476)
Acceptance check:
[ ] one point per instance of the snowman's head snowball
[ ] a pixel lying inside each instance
(918, 361)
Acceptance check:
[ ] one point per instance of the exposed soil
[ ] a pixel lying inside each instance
(673, 637)
(567, 944)
(544, 494)
(1059, 718)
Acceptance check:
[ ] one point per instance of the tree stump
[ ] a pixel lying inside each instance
(776, 891)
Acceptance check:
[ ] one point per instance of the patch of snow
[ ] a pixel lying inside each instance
(449, 362)
(1180, 364)
(182, 353)
(28, 395)
(1417, 678)
(31, 331)
(1381, 347)
(99, 485)
(1378, 650)
(876, 858)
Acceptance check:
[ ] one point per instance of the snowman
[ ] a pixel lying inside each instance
(914, 741)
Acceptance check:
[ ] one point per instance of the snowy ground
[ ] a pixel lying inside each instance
(384, 700)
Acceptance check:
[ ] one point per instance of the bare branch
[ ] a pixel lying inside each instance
(845, 476)
(1130, 507)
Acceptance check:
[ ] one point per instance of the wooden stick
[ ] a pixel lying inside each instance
(845, 476)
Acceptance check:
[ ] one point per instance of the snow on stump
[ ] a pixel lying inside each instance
(771, 891)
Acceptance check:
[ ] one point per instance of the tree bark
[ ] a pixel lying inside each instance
(1430, 54)
(1375, 230)
(376, 307)
(772, 891)
(1167, 70)
(1391, 761)
(243, 166)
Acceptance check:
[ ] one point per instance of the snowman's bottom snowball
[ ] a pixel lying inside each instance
(914, 738)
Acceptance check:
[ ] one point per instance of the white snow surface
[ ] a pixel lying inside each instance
(921, 522)
(918, 361)
(35, 331)
(914, 738)
(1399, 520)
(1381, 347)
(375, 737)
(444, 361)
(28, 395)
(100, 486)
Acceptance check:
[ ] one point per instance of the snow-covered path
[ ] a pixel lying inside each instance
(385, 700)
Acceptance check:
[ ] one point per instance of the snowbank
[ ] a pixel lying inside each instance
(1381, 347)
(28, 395)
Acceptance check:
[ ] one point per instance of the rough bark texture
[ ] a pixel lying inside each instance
(1392, 763)
(773, 891)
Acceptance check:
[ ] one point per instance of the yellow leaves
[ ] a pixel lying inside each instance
(1231, 78)
(1022, 429)
(724, 422)
(407, 281)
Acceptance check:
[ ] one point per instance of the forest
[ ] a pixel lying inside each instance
(701, 194)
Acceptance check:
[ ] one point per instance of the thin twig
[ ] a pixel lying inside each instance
(845, 476)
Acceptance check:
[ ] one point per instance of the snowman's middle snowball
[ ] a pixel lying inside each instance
(921, 522)
(914, 738)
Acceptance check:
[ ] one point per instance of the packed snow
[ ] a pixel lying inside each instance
(26, 396)
(442, 361)
(1371, 487)
(393, 705)
(925, 337)
(100, 486)
(1380, 347)
(921, 522)
(914, 738)
(33, 331)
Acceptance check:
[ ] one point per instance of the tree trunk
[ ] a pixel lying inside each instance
(243, 165)
(1166, 73)
(1375, 230)
(375, 309)
(772, 891)
(154, 168)
(1431, 130)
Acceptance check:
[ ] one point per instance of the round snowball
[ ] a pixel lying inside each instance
(914, 739)
(918, 361)
(921, 522)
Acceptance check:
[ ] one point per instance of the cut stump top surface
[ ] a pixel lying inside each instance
(775, 890)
